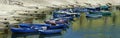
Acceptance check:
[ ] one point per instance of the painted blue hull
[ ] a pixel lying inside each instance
(22, 30)
(96, 12)
(29, 30)
(49, 32)
(58, 15)
(58, 21)
(69, 18)
(57, 26)
(25, 25)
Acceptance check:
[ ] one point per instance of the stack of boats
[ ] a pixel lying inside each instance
(51, 26)
(61, 20)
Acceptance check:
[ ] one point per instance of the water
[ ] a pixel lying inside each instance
(105, 27)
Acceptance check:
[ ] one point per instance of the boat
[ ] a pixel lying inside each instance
(93, 16)
(22, 30)
(103, 13)
(58, 26)
(56, 21)
(39, 30)
(95, 12)
(75, 12)
(52, 26)
(69, 17)
(57, 15)
(105, 7)
(49, 32)
(91, 9)
(49, 26)
(106, 13)
(25, 25)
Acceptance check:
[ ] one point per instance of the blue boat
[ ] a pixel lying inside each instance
(49, 32)
(58, 26)
(57, 15)
(23, 30)
(68, 18)
(93, 16)
(96, 12)
(76, 10)
(97, 8)
(68, 13)
(50, 26)
(39, 30)
(65, 17)
(91, 9)
(56, 21)
(25, 25)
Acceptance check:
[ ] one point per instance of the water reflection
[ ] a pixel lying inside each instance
(32, 35)
(113, 26)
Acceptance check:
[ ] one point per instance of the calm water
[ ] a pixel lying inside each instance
(105, 27)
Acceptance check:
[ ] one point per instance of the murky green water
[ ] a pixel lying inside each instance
(105, 27)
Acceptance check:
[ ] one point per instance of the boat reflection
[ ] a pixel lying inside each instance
(32, 35)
